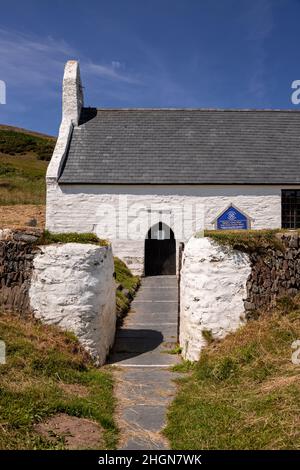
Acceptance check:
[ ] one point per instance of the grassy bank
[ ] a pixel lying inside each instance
(24, 158)
(22, 180)
(48, 375)
(14, 141)
(244, 393)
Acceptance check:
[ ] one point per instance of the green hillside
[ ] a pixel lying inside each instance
(24, 157)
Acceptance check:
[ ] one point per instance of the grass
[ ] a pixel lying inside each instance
(247, 240)
(127, 286)
(24, 158)
(208, 336)
(41, 363)
(71, 237)
(22, 180)
(174, 351)
(244, 393)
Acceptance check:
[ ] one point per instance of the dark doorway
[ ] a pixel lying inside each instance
(160, 251)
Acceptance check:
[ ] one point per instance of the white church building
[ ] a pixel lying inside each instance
(148, 179)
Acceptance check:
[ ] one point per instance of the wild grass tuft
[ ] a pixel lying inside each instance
(71, 237)
(246, 240)
(244, 393)
(41, 363)
(208, 336)
(127, 284)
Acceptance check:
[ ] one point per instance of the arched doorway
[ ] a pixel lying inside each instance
(160, 251)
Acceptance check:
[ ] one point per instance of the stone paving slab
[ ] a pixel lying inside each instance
(143, 396)
(137, 443)
(153, 358)
(164, 281)
(138, 345)
(167, 330)
(163, 309)
(143, 383)
(137, 331)
(144, 415)
(160, 294)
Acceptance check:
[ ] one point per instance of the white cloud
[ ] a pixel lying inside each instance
(35, 62)
(32, 68)
(27, 61)
(111, 71)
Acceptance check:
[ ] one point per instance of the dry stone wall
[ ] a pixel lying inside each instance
(17, 251)
(275, 273)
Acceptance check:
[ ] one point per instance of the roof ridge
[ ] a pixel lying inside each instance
(269, 110)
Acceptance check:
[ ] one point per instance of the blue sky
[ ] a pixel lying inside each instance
(156, 53)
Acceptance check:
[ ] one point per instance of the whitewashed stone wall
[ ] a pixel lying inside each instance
(72, 286)
(213, 286)
(97, 208)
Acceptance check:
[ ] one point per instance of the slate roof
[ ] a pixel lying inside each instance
(184, 146)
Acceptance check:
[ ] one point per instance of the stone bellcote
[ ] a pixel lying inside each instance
(72, 99)
(72, 103)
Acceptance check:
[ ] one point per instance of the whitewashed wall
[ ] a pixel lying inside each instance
(81, 208)
(73, 287)
(213, 286)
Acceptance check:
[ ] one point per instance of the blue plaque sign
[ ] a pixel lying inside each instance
(232, 219)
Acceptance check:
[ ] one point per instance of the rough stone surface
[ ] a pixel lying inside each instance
(213, 289)
(17, 251)
(73, 287)
(275, 273)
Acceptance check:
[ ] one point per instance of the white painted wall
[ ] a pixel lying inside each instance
(73, 287)
(213, 286)
(101, 208)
